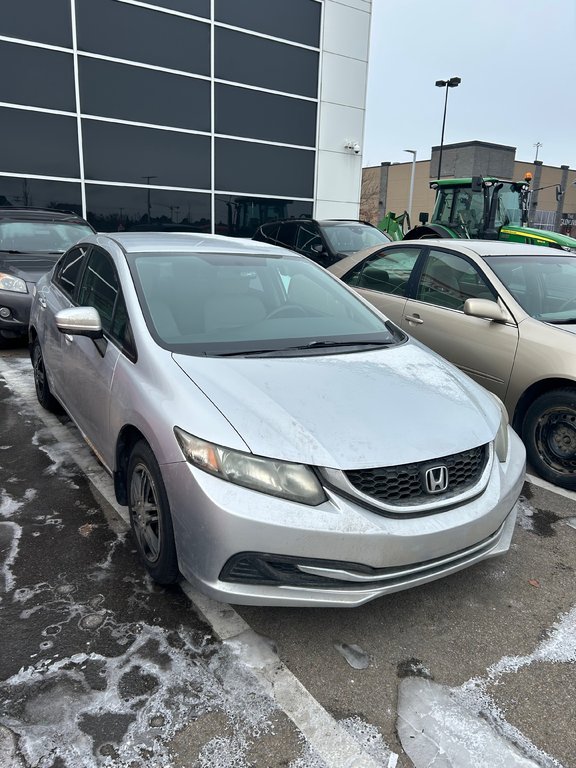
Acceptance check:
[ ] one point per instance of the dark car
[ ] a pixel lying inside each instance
(326, 241)
(31, 241)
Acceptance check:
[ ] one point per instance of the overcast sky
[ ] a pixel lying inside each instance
(517, 61)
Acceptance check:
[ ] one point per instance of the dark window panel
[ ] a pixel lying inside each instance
(240, 216)
(38, 193)
(141, 34)
(264, 169)
(143, 95)
(33, 142)
(247, 59)
(114, 152)
(38, 20)
(258, 115)
(193, 7)
(38, 77)
(297, 20)
(115, 209)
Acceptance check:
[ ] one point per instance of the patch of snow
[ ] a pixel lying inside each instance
(7, 579)
(354, 655)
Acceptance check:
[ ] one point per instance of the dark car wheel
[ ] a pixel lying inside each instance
(150, 515)
(549, 433)
(43, 393)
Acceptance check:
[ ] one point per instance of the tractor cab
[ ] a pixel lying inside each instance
(479, 207)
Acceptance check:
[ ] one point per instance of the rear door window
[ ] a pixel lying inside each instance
(69, 270)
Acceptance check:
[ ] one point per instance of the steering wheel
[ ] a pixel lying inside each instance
(287, 310)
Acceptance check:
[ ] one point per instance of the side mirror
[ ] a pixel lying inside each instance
(477, 183)
(79, 321)
(486, 309)
(559, 193)
(423, 217)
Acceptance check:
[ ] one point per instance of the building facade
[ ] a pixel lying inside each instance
(386, 187)
(208, 115)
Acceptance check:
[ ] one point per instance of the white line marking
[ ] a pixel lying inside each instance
(333, 743)
(549, 487)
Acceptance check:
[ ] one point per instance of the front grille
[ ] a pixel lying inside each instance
(405, 484)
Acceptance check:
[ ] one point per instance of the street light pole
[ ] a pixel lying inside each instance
(453, 82)
(412, 173)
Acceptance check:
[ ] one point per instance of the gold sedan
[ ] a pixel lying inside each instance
(504, 313)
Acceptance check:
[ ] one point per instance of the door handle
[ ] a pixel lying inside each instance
(416, 319)
(68, 338)
(42, 302)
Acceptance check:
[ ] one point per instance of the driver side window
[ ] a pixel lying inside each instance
(447, 280)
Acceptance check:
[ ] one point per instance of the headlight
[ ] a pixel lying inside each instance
(11, 283)
(276, 478)
(501, 442)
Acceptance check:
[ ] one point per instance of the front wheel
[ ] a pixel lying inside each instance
(549, 433)
(43, 392)
(150, 516)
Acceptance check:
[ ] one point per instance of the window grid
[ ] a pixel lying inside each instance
(80, 116)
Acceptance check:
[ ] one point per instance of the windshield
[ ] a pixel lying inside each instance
(41, 236)
(544, 286)
(349, 238)
(233, 304)
(509, 210)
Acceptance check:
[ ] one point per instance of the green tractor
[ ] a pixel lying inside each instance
(477, 208)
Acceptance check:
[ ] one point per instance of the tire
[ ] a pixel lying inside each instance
(43, 393)
(549, 434)
(150, 516)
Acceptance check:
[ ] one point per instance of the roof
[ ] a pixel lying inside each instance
(39, 214)
(491, 247)
(150, 242)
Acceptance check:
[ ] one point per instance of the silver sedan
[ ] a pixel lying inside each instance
(276, 439)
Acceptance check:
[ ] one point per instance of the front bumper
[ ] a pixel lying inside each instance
(19, 304)
(346, 554)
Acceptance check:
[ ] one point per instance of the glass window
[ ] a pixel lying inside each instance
(193, 7)
(352, 237)
(38, 143)
(224, 303)
(468, 213)
(387, 272)
(41, 236)
(38, 20)
(308, 240)
(241, 216)
(253, 60)
(248, 167)
(140, 34)
(143, 95)
(38, 193)
(443, 208)
(38, 77)
(258, 115)
(115, 209)
(99, 286)
(69, 269)
(114, 152)
(447, 280)
(297, 20)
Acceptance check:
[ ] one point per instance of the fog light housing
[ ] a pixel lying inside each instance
(5, 312)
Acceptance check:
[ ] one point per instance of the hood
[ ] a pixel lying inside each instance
(28, 266)
(542, 235)
(367, 409)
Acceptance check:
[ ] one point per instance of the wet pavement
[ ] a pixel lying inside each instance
(101, 667)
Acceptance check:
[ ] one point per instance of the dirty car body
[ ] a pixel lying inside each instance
(277, 439)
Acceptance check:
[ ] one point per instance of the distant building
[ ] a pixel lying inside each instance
(188, 114)
(386, 187)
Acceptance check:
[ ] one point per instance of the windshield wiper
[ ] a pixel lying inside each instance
(311, 345)
(327, 344)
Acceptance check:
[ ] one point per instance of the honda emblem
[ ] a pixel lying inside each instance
(436, 479)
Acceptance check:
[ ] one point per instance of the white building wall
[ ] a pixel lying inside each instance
(341, 108)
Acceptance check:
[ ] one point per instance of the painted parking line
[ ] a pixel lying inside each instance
(549, 487)
(333, 743)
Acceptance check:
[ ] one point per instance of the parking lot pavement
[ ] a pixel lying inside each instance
(102, 667)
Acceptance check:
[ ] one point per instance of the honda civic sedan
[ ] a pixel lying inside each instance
(276, 439)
